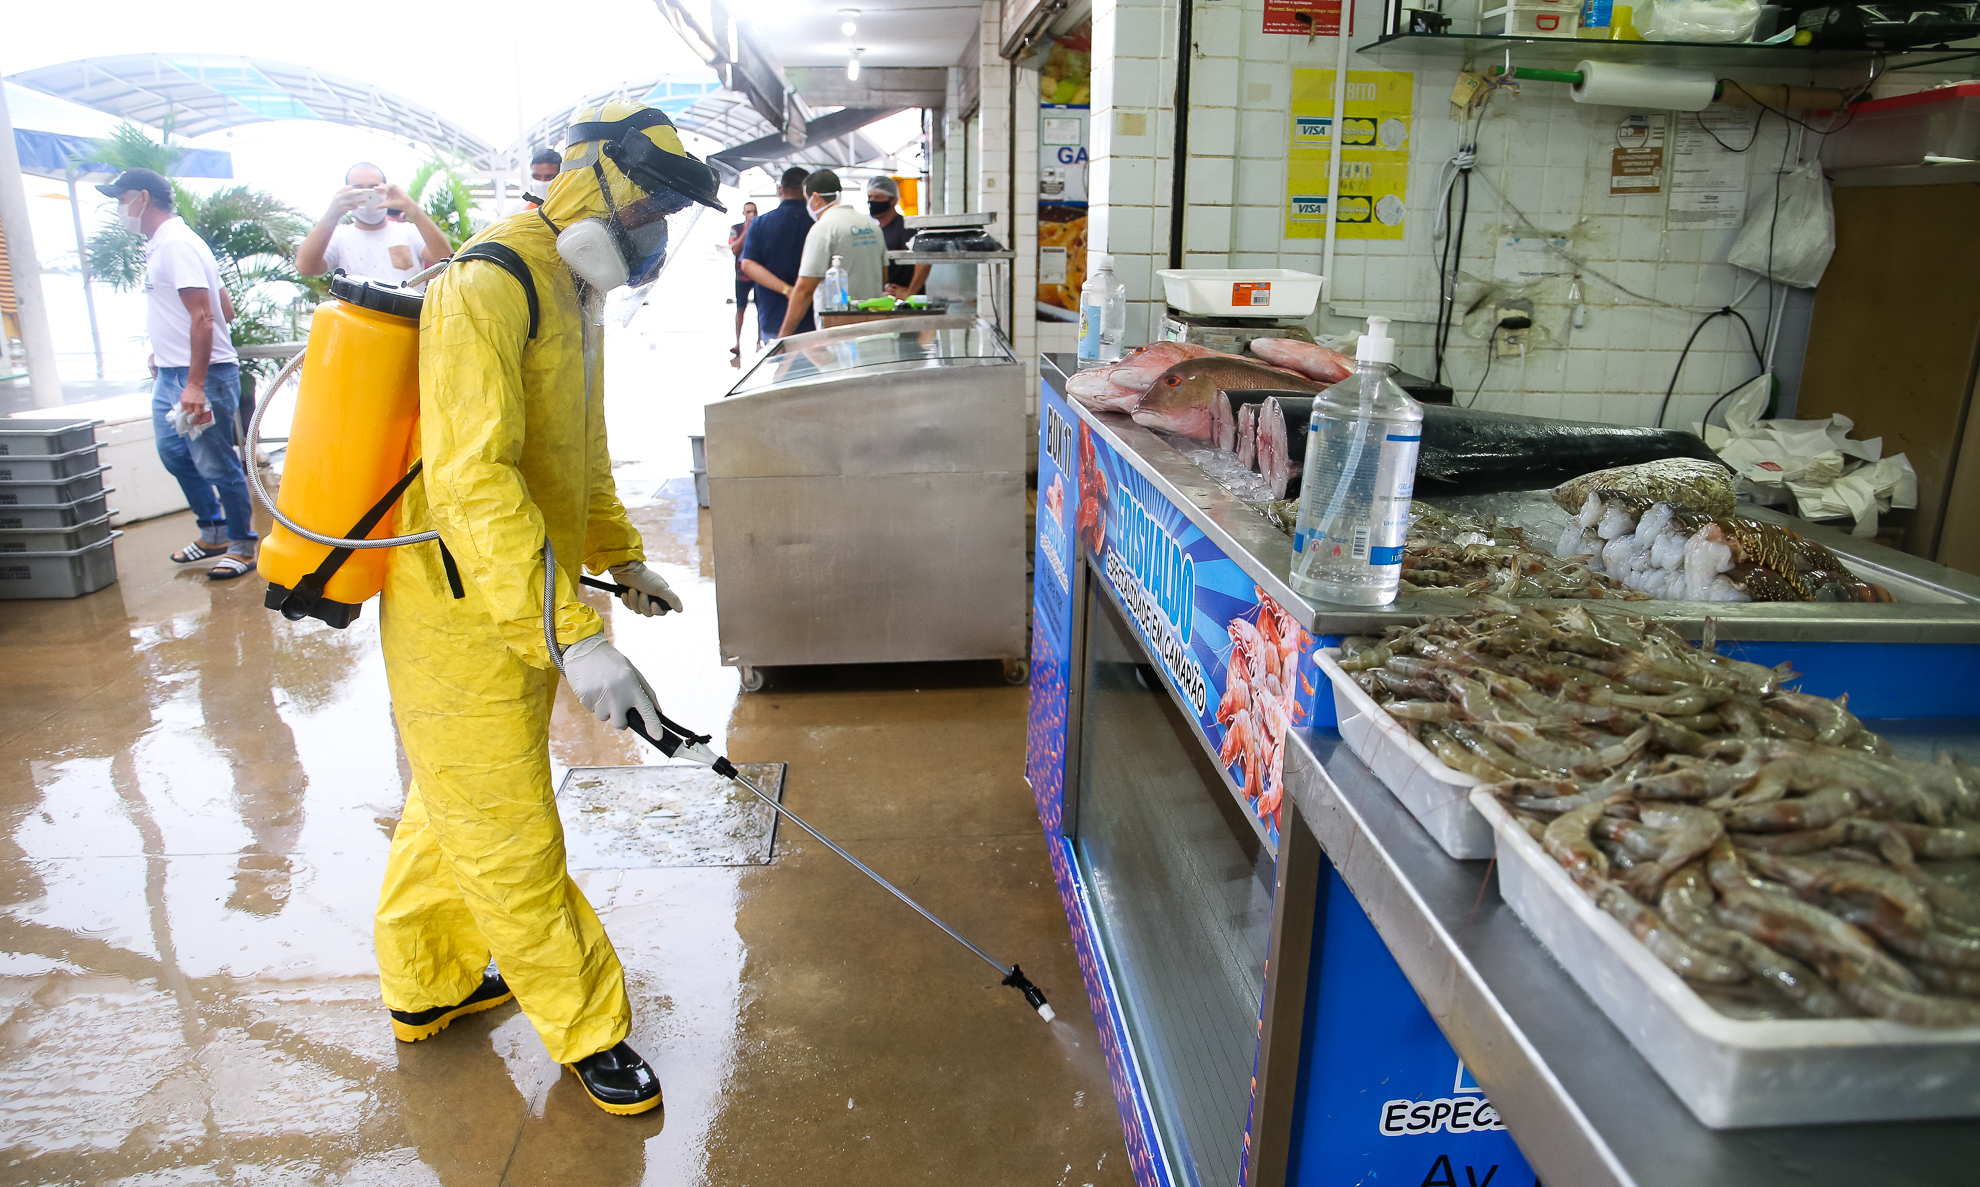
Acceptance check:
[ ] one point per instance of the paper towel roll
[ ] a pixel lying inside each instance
(1618, 84)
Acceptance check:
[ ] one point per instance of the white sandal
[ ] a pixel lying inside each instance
(196, 551)
(230, 567)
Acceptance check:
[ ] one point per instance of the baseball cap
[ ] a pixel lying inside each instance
(883, 185)
(140, 179)
(824, 181)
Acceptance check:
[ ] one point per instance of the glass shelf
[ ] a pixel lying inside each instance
(1485, 48)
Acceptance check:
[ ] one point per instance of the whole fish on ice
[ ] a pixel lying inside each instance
(1118, 387)
(1180, 401)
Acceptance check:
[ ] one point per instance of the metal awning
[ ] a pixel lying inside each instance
(48, 154)
(201, 93)
(728, 118)
(819, 132)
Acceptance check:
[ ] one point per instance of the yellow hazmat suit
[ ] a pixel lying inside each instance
(513, 435)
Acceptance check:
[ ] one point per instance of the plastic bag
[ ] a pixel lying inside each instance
(1700, 20)
(1794, 245)
(1827, 473)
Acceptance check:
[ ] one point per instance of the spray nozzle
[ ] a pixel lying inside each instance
(1376, 346)
(1033, 996)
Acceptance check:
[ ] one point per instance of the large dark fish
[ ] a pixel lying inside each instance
(1469, 452)
(1179, 402)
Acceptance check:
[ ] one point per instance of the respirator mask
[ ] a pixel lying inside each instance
(630, 247)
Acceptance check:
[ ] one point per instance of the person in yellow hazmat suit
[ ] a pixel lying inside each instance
(518, 482)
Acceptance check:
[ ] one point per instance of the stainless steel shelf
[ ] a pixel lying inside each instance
(948, 257)
(1582, 1104)
(1566, 51)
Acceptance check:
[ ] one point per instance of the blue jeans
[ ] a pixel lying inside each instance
(209, 464)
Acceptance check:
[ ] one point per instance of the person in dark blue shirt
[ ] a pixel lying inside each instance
(772, 252)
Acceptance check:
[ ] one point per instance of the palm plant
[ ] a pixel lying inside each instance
(252, 233)
(450, 205)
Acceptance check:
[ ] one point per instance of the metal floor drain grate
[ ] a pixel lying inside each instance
(635, 818)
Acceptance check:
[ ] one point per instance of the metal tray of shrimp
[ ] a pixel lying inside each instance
(1732, 1073)
(1436, 795)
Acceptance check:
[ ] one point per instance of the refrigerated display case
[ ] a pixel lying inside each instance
(866, 491)
(1292, 981)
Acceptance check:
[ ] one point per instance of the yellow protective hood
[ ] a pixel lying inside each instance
(574, 191)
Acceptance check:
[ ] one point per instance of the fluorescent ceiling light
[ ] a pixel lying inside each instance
(852, 66)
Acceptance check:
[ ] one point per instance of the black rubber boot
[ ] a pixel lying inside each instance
(424, 1024)
(619, 1081)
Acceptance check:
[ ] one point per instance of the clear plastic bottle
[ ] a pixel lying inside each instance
(836, 287)
(1359, 476)
(1102, 312)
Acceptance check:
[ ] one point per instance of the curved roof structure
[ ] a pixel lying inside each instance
(698, 103)
(201, 93)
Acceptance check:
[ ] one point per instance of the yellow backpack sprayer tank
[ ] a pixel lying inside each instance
(349, 450)
(352, 446)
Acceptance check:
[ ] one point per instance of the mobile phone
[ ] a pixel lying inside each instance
(373, 198)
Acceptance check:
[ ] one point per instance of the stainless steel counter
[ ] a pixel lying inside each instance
(1952, 615)
(1585, 1108)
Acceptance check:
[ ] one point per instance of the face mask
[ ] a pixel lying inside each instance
(539, 190)
(819, 212)
(134, 223)
(370, 216)
(879, 208)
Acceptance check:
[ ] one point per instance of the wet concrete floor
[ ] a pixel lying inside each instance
(195, 803)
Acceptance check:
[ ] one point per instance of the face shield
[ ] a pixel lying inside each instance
(646, 234)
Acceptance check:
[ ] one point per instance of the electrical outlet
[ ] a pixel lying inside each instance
(1513, 321)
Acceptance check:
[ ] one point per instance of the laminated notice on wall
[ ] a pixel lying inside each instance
(1636, 164)
(1306, 17)
(1375, 133)
(1708, 170)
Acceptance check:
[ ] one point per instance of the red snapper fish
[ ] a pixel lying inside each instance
(1310, 359)
(1180, 402)
(1120, 386)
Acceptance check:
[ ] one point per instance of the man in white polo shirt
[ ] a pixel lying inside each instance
(192, 356)
(843, 231)
(372, 246)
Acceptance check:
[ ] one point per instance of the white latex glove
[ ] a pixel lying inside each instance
(647, 591)
(607, 684)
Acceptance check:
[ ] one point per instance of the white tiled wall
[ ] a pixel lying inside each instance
(1131, 136)
(1010, 187)
(1547, 155)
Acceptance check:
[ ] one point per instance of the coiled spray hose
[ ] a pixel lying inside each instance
(252, 446)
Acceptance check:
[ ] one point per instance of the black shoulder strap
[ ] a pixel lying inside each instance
(297, 603)
(506, 258)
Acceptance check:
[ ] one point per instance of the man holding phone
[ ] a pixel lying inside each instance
(373, 245)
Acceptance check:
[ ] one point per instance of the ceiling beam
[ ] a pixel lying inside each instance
(878, 86)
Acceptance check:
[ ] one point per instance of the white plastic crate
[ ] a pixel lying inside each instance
(1241, 292)
(1437, 796)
